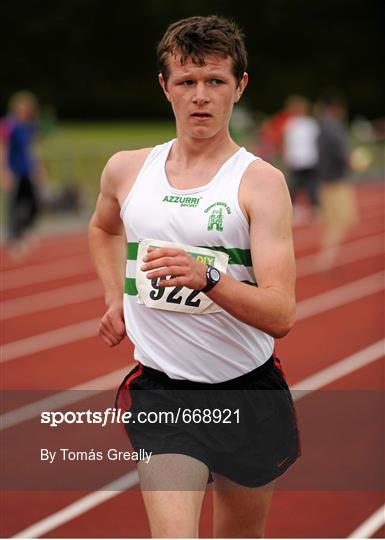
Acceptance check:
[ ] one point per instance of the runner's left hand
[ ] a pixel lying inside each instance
(184, 269)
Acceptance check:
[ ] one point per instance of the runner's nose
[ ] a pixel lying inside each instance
(200, 96)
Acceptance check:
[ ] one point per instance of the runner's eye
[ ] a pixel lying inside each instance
(187, 83)
(215, 82)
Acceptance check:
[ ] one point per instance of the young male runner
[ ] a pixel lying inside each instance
(205, 222)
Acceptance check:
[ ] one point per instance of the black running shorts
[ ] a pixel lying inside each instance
(244, 429)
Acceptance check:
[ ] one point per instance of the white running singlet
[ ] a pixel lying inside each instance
(210, 346)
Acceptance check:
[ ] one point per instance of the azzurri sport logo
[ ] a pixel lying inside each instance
(191, 202)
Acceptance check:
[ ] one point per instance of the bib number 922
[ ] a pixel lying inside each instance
(173, 297)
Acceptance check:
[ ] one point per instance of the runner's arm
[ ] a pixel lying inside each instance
(108, 249)
(269, 307)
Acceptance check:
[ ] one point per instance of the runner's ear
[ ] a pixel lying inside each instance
(241, 86)
(163, 84)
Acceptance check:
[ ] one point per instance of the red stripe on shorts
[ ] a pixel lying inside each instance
(124, 398)
(278, 365)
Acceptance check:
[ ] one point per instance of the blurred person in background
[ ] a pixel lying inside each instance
(20, 170)
(300, 154)
(337, 197)
(269, 146)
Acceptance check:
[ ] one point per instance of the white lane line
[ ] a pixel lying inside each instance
(62, 296)
(311, 238)
(86, 329)
(371, 525)
(341, 295)
(37, 273)
(48, 340)
(350, 252)
(96, 498)
(65, 398)
(79, 507)
(313, 227)
(339, 369)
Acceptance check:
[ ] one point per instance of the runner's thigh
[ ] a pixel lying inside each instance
(173, 487)
(240, 511)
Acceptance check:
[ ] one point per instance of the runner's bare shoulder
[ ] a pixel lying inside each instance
(122, 169)
(262, 175)
(261, 186)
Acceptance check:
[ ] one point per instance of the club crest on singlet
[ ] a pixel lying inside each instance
(216, 216)
(180, 299)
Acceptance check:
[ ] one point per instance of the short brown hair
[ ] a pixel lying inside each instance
(197, 37)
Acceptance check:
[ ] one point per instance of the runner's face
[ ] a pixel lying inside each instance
(202, 97)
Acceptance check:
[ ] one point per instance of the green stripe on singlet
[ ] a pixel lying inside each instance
(130, 286)
(132, 251)
(236, 255)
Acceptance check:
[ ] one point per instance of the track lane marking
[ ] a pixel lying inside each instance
(37, 273)
(340, 296)
(310, 237)
(370, 525)
(348, 253)
(64, 398)
(339, 369)
(80, 506)
(49, 340)
(86, 503)
(34, 303)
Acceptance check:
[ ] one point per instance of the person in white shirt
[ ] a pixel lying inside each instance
(300, 152)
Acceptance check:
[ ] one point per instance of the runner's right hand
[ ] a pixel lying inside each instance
(112, 328)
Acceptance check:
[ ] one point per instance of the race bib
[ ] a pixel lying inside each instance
(180, 299)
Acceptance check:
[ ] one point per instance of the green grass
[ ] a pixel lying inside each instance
(75, 154)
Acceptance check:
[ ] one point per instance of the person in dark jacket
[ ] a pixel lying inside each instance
(337, 197)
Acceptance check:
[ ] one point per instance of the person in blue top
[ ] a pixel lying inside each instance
(20, 168)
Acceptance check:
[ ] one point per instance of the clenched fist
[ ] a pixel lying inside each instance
(112, 328)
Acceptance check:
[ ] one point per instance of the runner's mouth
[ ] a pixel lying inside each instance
(201, 115)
